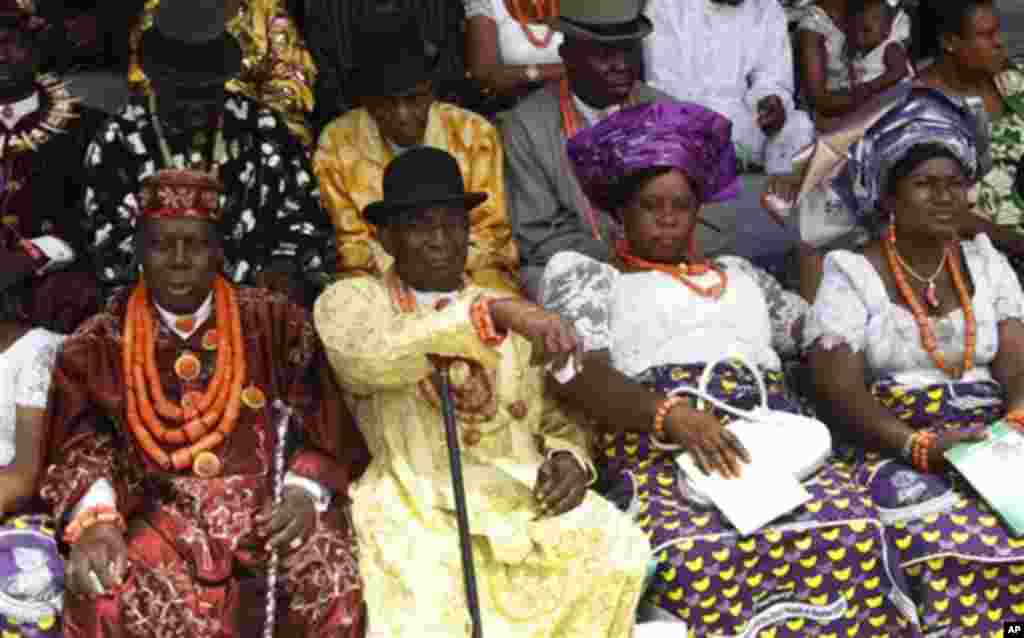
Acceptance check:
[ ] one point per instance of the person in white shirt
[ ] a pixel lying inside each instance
(510, 50)
(733, 56)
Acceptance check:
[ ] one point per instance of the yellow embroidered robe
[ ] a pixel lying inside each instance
(579, 574)
(277, 69)
(350, 162)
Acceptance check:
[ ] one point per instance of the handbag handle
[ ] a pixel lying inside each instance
(703, 397)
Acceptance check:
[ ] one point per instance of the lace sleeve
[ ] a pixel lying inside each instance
(839, 314)
(785, 308)
(817, 21)
(579, 288)
(1007, 295)
(479, 8)
(38, 357)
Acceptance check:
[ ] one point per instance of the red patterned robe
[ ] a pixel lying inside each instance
(190, 544)
(41, 191)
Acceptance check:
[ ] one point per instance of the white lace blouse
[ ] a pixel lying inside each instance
(650, 319)
(514, 48)
(25, 370)
(853, 307)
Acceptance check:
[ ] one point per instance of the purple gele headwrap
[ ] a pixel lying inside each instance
(681, 135)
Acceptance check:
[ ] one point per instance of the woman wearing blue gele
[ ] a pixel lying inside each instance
(934, 324)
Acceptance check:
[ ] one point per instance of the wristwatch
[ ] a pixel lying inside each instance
(532, 73)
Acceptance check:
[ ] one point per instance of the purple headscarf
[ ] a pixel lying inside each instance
(681, 135)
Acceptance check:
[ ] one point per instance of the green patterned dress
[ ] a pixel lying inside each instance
(995, 196)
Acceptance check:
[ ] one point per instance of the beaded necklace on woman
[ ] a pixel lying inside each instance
(682, 272)
(541, 10)
(952, 261)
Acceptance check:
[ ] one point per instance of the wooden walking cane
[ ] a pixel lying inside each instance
(461, 511)
(284, 418)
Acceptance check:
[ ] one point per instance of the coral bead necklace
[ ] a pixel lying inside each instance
(951, 259)
(679, 272)
(541, 10)
(201, 421)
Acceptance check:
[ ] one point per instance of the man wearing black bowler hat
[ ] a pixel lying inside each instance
(275, 232)
(552, 558)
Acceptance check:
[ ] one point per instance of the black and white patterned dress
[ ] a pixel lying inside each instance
(271, 206)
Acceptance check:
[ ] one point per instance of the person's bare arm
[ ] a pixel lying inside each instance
(839, 383)
(814, 59)
(897, 66)
(609, 397)
(484, 61)
(1008, 366)
(620, 404)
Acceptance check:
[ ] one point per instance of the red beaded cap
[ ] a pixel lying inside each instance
(176, 193)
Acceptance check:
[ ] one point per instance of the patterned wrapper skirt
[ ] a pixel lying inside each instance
(965, 570)
(31, 578)
(825, 569)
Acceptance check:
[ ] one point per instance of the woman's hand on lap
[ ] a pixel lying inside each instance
(713, 446)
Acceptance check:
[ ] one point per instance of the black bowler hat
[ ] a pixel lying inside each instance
(390, 55)
(421, 177)
(188, 45)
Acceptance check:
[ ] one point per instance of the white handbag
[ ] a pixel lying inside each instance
(795, 442)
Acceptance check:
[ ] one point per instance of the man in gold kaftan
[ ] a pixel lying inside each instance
(277, 69)
(400, 110)
(553, 559)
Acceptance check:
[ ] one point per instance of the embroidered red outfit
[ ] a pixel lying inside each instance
(189, 538)
(42, 242)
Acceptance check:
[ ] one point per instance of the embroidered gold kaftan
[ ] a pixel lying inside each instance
(277, 69)
(350, 162)
(579, 574)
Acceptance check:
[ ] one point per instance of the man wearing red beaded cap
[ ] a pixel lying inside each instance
(162, 423)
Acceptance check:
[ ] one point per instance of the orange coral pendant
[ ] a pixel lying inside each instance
(253, 398)
(187, 367)
(931, 296)
(207, 465)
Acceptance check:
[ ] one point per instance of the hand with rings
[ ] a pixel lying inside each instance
(288, 526)
(98, 561)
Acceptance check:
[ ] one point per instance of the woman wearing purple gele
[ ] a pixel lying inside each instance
(651, 322)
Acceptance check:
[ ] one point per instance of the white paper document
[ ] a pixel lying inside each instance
(763, 492)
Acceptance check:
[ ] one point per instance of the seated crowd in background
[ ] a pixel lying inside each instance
(315, 228)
